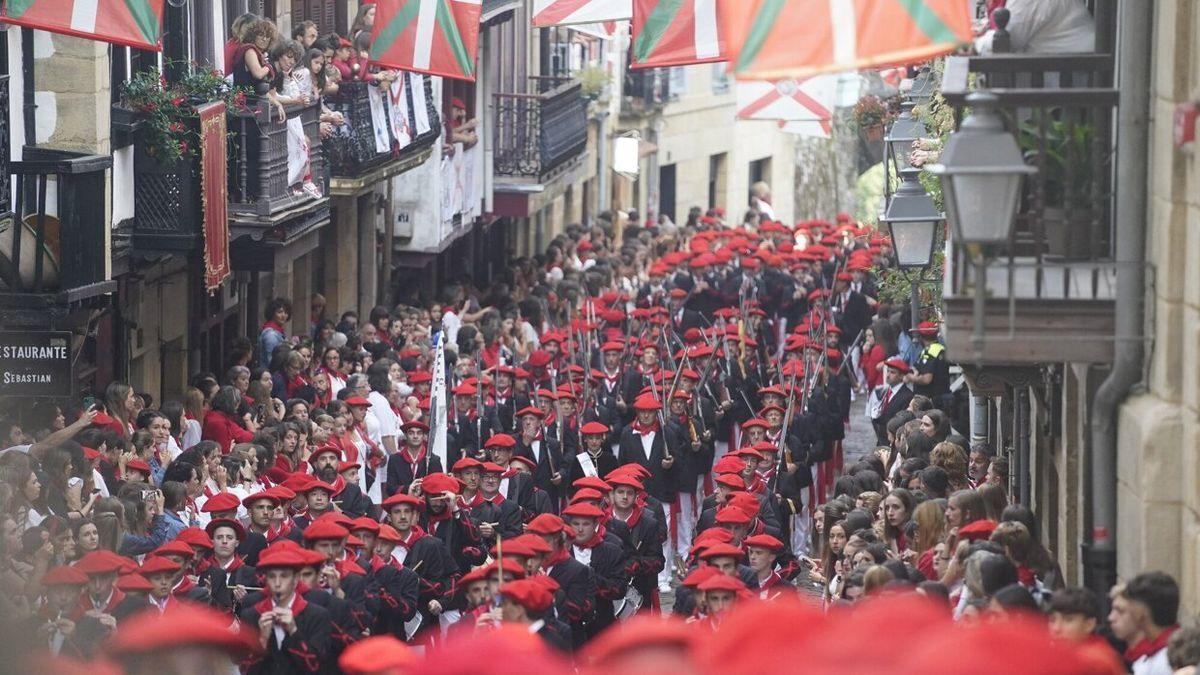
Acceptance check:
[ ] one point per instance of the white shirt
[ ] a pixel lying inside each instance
(382, 410)
(583, 555)
(647, 443)
(191, 433)
(279, 632)
(536, 448)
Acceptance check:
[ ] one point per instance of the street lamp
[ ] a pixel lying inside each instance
(923, 86)
(912, 219)
(981, 171)
(905, 130)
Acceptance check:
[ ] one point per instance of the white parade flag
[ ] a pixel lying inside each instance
(437, 407)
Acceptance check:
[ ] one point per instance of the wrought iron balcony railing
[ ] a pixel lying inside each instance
(53, 244)
(537, 133)
(645, 91)
(355, 149)
(259, 189)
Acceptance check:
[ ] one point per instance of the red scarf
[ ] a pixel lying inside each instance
(756, 486)
(267, 604)
(181, 589)
(635, 516)
(84, 604)
(1149, 647)
(478, 499)
(284, 528)
(557, 556)
(597, 537)
(643, 430)
(234, 565)
(413, 461)
(275, 326)
(445, 515)
(414, 535)
(770, 582)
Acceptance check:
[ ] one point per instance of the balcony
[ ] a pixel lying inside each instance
(167, 201)
(537, 135)
(1049, 295)
(262, 203)
(54, 250)
(367, 148)
(645, 92)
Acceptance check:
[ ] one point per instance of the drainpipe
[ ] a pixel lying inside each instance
(1135, 22)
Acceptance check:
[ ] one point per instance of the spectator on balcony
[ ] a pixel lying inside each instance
(293, 86)
(459, 128)
(362, 57)
(305, 33)
(237, 37)
(364, 21)
(251, 68)
(314, 61)
(760, 199)
(1046, 27)
(343, 58)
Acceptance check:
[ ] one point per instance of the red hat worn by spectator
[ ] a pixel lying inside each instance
(926, 329)
(239, 530)
(182, 625)
(457, 102)
(377, 654)
(529, 594)
(222, 501)
(420, 377)
(140, 466)
(898, 364)
(357, 401)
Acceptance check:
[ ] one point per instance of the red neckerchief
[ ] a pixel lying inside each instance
(496, 499)
(338, 485)
(293, 385)
(236, 563)
(611, 378)
(333, 374)
(597, 537)
(414, 535)
(773, 436)
(635, 515)
(770, 582)
(412, 461)
(643, 430)
(274, 325)
(550, 418)
(181, 589)
(757, 486)
(541, 436)
(267, 604)
(84, 604)
(284, 528)
(647, 371)
(1149, 647)
(502, 396)
(558, 555)
(322, 400)
(375, 453)
(445, 515)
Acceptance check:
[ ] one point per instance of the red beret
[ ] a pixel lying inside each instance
(466, 463)
(530, 410)
(763, 541)
(508, 566)
(492, 467)
(157, 565)
(540, 358)
(102, 562)
(722, 582)
(731, 480)
(626, 480)
(402, 498)
(194, 536)
(583, 510)
(414, 424)
(64, 575)
(269, 494)
(420, 377)
(376, 654)
(731, 515)
(359, 401)
(282, 557)
(389, 533)
(897, 363)
(547, 523)
(222, 501)
(436, 483)
(529, 594)
(134, 583)
(586, 494)
(700, 575)
(644, 403)
(325, 529)
(139, 465)
(720, 550)
(502, 440)
(978, 530)
(175, 547)
(532, 465)
(364, 523)
(181, 625)
(238, 529)
(593, 482)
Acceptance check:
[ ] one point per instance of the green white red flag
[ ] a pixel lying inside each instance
(136, 23)
(775, 39)
(676, 33)
(567, 12)
(438, 37)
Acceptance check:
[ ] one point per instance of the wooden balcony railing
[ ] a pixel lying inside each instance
(353, 150)
(167, 201)
(537, 133)
(259, 189)
(53, 245)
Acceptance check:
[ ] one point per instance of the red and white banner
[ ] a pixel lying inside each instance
(137, 23)
(566, 12)
(675, 33)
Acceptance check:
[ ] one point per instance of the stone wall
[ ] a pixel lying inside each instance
(1159, 432)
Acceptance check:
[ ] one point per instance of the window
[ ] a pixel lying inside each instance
(760, 170)
(720, 78)
(677, 82)
(716, 181)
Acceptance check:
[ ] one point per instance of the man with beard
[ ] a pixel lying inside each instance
(494, 515)
(446, 521)
(422, 553)
(349, 497)
(294, 634)
(606, 559)
(412, 462)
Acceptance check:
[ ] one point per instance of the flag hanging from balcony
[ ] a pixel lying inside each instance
(565, 12)
(438, 37)
(136, 23)
(808, 100)
(775, 39)
(675, 33)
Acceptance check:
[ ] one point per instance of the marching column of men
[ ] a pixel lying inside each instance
(675, 444)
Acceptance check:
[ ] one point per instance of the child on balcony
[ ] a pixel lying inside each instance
(294, 85)
(314, 63)
(343, 60)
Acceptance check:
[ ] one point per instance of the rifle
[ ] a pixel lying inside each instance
(558, 423)
(479, 408)
(783, 433)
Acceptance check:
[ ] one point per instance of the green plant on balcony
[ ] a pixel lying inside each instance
(593, 81)
(1066, 164)
(168, 107)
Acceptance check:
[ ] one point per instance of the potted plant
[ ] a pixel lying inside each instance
(1065, 157)
(870, 114)
(167, 111)
(593, 81)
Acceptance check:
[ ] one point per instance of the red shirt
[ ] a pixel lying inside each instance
(224, 430)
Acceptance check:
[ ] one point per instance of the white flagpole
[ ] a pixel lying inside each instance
(437, 407)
